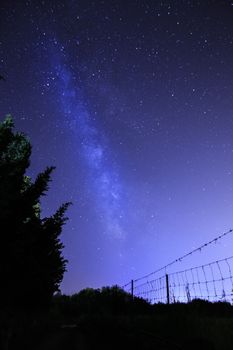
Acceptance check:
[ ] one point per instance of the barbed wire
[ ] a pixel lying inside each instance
(214, 240)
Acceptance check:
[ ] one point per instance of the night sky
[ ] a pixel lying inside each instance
(132, 101)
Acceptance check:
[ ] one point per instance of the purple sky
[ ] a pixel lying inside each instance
(132, 101)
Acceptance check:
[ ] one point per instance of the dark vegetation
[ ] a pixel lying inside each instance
(34, 315)
(110, 319)
(31, 261)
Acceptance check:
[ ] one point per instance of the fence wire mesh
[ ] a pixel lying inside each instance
(212, 281)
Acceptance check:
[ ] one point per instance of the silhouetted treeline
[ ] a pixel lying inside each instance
(115, 301)
(111, 318)
(105, 301)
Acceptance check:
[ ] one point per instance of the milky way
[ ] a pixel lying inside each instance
(93, 147)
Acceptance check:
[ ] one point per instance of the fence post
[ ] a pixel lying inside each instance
(132, 287)
(167, 288)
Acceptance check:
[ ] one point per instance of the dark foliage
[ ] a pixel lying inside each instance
(112, 319)
(197, 307)
(31, 261)
(111, 301)
(109, 318)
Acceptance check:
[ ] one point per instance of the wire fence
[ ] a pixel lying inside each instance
(212, 281)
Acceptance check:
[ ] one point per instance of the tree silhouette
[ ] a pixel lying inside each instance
(31, 261)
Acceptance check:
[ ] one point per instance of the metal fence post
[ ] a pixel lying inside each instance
(167, 288)
(132, 287)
